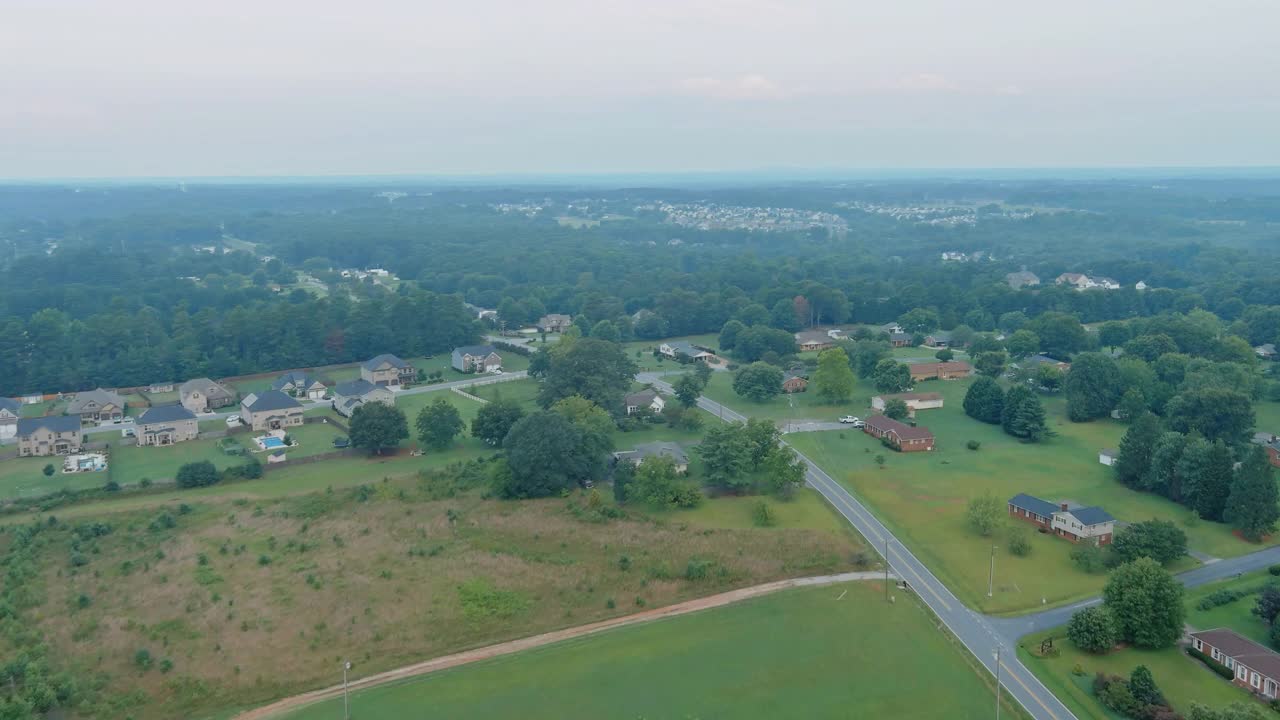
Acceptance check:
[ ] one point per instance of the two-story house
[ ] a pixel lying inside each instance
(388, 371)
(10, 411)
(97, 406)
(203, 395)
(301, 385)
(347, 396)
(271, 410)
(476, 358)
(166, 425)
(1074, 524)
(52, 435)
(555, 322)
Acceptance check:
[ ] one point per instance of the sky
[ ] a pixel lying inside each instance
(134, 88)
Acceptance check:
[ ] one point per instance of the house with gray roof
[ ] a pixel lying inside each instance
(647, 398)
(272, 410)
(554, 322)
(476, 359)
(388, 371)
(1021, 279)
(1074, 523)
(676, 348)
(97, 406)
(166, 425)
(301, 385)
(637, 455)
(347, 396)
(1255, 667)
(938, 339)
(10, 411)
(203, 395)
(50, 435)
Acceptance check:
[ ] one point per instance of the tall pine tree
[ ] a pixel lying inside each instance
(1133, 464)
(1251, 507)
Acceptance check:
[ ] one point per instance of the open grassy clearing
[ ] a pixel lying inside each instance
(1237, 615)
(808, 406)
(837, 651)
(24, 477)
(1182, 679)
(130, 464)
(922, 497)
(524, 392)
(405, 570)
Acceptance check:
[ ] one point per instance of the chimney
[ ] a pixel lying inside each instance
(1062, 507)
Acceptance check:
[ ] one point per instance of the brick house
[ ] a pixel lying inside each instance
(794, 382)
(166, 425)
(814, 340)
(647, 398)
(476, 358)
(900, 340)
(938, 339)
(52, 435)
(914, 400)
(900, 436)
(203, 395)
(97, 406)
(272, 410)
(1256, 667)
(387, 370)
(940, 370)
(10, 411)
(1074, 524)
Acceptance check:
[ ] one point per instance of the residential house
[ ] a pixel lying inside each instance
(97, 406)
(554, 322)
(900, 340)
(1266, 351)
(1140, 285)
(160, 387)
(646, 398)
(954, 256)
(388, 371)
(899, 435)
(1106, 283)
(1079, 281)
(348, 396)
(51, 435)
(1256, 667)
(1074, 524)
(300, 385)
(476, 358)
(1271, 444)
(10, 411)
(203, 395)
(640, 453)
(914, 400)
(891, 328)
(1107, 456)
(272, 410)
(940, 370)
(938, 339)
(794, 382)
(814, 340)
(1021, 279)
(676, 348)
(166, 425)
(1035, 361)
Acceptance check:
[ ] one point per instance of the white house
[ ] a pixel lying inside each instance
(1107, 456)
(647, 398)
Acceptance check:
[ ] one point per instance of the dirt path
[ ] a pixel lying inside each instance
(490, 651)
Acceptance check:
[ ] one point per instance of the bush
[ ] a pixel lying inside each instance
(1274, 569)
(1089, 557)
(1226, 596)
(197, 474)
(1093, 630)
(973, 444)
(142, 659)
(697, 569)
(1019, 542)
(1213, 665)
(762, 514)
(112, 486)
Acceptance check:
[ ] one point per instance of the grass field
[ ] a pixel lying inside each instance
(922, 498)
(1182, 679)
(524, 392)
(1236, 615)
(816, 653)
(24, 477)
(808, 406)
(253, 598)
(646, 361)
(130, 463)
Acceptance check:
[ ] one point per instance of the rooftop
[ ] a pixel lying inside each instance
(53, 423)
(383, 360)
(901, 429)
(271, 400)
(166, 414)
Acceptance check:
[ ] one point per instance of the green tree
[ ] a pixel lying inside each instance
(891, 376)
(1150, 347)
(1113, 334)
(1216, 413)
(1143, 686)
(984, 514)
(687, 389)
(605, 330)
(896, 408)
(833, 379)
(494, 420)
(1093, 630)
(984, 401)
(729, 334)
(1234, 711)
(1146, 602)
(1251, 507)
(758, 381)
(1164, 476)
(595, 428)
(726, 454)
(438, 424)
(49, 470)
(784, 471)
(1206, 472)
(919, 321)
(197, 474)
(763, 437)
(657, 483)
(1267, 606)
(1132, 404)
(624, 473)
(703, 373)
(545, 455)
(1061, 335)
(1024, 417)
(990, 364)
(1133, 462)
(866, 354)
(1092, 387)
(375, 426)
(1023, 343)
(944, 355)
(1049, 378)
(1159, 540)
(596, 369)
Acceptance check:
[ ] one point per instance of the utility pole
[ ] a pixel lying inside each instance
(991, 574)
(886, 569)
(346, 704)
(997, 682)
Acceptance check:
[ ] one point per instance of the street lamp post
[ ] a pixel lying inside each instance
(346, 704)
(997, 682)
(991, 574)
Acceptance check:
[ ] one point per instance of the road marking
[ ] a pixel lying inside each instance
(926, 585)
(1029, 691)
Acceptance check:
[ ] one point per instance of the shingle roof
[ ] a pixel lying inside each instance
(54, 423)
(927, 396)
(641, 397)
(1243, 650)
(12, 406)
(99, 396)
(354, 388)
(476, 350)
(902, 430)
(658, 449)
(900, 337)
(683, 346)
(273, 400)
(1091, 516)
(1043, 508)
(166, 414)
(210, 388)
(296, 378)
(385, 358)
(813, 336)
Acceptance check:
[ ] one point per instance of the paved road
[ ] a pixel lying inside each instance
(973, 629)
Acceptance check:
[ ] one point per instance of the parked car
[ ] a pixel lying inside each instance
(233, 420)
(127, 432)
(849, 420)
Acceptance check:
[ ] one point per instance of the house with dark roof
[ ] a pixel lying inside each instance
(554, 322)
(940, 370)
(814, 340)
(1266, 351)
(794, 381)
(938, 339)
(640, 453)
(476, 359)
(1256, 667)
(97, 406)
(347, 396)
(641, 399)
(51, 435)
(166, 425)
(900, 339)
(388, 370)
(675, 348)
(203, 395)
(272, 410)
(300, 385)
(899, 435)
(1073, 523)
(10, 411)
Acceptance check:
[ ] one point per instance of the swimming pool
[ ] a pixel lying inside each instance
(270, 442)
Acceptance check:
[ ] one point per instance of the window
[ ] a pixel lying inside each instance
(1199, 645)
(1255, 679)
(1215, 653)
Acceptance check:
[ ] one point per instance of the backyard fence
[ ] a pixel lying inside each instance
(327, 419)
(270, 466)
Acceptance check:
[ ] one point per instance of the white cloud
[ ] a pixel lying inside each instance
(742, 87)
(925, 82)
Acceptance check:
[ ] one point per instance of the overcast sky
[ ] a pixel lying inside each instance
(292, 87)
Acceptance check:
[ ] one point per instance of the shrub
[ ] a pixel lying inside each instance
(1226, 596)
(1089, 557)
(112, 486)
(166, 665)
(624, 563)
(264, 560)
(142, 659)
(1093, 629)
(762, 515)
(1213, 665)
(197, 474)
(1274, 569)
(973, 444)
(697, 569)
(144, 483)
(1019, 542)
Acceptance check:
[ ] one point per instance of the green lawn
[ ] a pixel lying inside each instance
(642, 351)
(808, 406)
(130, 463)
(806, 510)
(524, 392)
(24, 477)
(836, 651)
(922, 497)
(1182, 679)
(1237, 615)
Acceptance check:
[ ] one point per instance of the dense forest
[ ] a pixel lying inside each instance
(119, 285)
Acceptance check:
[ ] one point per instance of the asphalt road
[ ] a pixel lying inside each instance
(973, 629)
